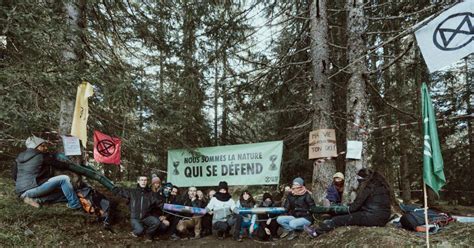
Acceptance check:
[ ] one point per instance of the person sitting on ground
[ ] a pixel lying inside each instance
(221, 207)
(155, 183)
(141, 201)
(335, 190)
(206, 222)
(34, 180)
(371, 207)
(267, 225)
(245, 223)
(298, 204)
(192, 221)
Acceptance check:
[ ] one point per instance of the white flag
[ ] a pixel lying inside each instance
(449, 37)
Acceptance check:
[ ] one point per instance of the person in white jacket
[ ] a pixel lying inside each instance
(221, 208)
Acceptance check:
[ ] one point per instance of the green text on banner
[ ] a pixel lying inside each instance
(249, 164)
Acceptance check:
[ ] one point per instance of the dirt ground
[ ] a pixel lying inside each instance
(55, 225)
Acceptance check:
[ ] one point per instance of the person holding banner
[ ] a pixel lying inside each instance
(193, 221)
(245, 222)
(267, 226)
(221, 207)
(298, 204)
(142, 201)
(34, 181)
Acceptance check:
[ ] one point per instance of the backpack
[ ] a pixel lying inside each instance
(94, 203)
(414, 217)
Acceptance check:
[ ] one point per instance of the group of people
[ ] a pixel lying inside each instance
(36, 185)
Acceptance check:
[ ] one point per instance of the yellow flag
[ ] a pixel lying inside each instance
(81, 112)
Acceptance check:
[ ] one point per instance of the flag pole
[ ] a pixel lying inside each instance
(426, 216)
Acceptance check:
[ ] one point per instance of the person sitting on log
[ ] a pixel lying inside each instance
(267, 225)
(245, 222)
(298, 204)
(221, 207)
(141, 201)
(193, 221)
(371, 207)
(34, 180)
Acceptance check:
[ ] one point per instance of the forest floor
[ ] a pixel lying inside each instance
(55, 225)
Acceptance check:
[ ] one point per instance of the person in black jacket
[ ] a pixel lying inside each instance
(34, 180)
(142, 201)
(298, 204)
(370, 208)
(267, 225)
(192, 221)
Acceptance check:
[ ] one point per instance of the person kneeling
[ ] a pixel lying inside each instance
(221, 207)
(141, 202)
(298, 204)
(193, 221)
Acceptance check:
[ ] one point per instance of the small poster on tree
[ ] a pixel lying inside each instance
(322, 143)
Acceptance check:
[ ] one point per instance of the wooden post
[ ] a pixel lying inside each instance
(426, 216)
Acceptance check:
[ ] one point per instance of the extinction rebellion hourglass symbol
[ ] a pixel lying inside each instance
(175, 171)
(273, 158)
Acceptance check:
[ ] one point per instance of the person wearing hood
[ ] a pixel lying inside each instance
(245, 222)
(141, 201)
(267, 225)
(221, 207)
(335, 190)
(34, 180)
(298, 204)
(371, 206)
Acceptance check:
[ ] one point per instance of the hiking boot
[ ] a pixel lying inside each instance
(239, 239)
(31, 202)
(273, 239)
(310, 231)
(174, 237)
(133, 235)
(148, 239)
(284, 234)
(292, 236)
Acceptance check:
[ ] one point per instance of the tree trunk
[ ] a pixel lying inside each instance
(356, 94)
(322, 93)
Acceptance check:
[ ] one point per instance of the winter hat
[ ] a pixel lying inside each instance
(155, 179)
(365, 173)
(298, 181)
(338, 175)
(222, 185)
(33, 142)
(267, 195)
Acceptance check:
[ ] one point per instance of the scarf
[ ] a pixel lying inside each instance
(222, 196)
(298, 190)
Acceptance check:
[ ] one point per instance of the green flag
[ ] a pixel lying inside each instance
(433, 174)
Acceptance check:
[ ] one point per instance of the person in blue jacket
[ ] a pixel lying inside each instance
(335, 190)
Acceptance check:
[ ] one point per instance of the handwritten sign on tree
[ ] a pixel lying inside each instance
(322, 143)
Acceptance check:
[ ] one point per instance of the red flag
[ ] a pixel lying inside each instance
(106, 148)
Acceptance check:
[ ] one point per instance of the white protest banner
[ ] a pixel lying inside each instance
(354, 149)
(322, 143)
(249, 164)
(449, 37)
(71, 145)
